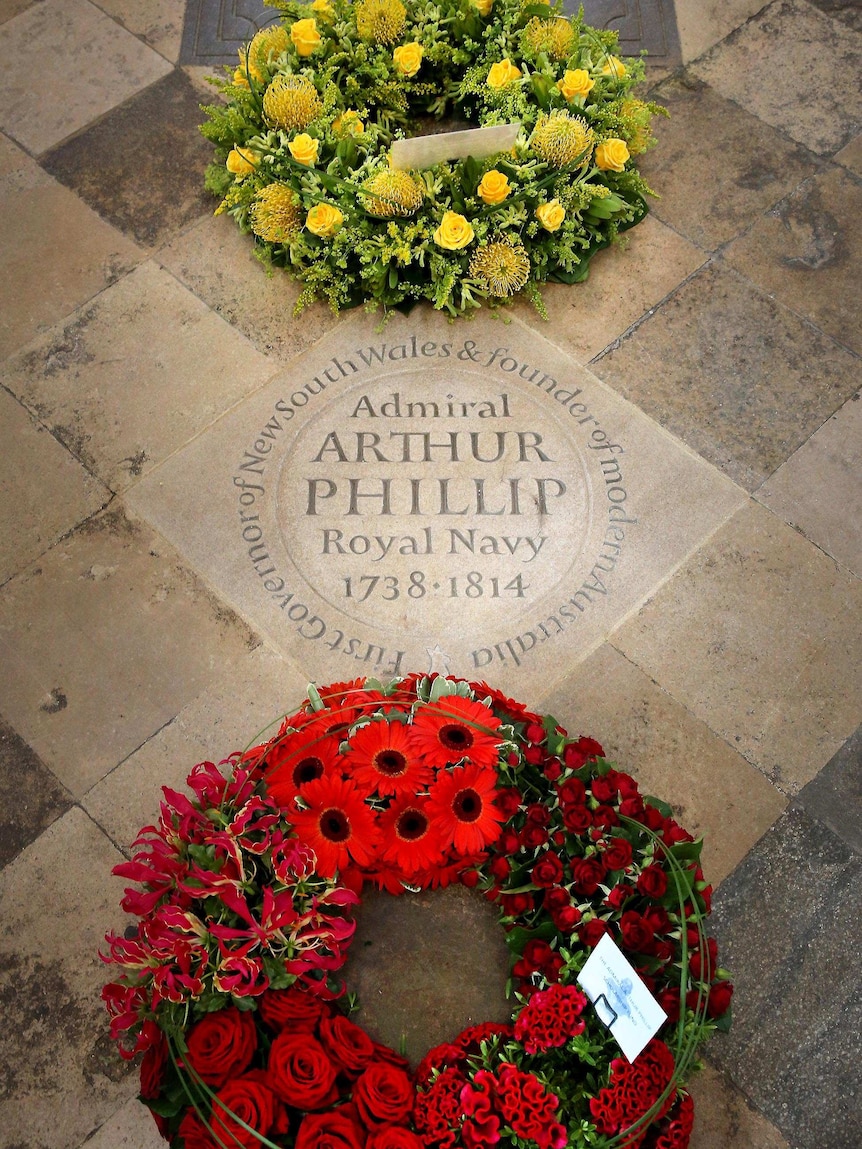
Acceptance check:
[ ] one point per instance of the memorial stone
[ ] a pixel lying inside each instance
(433, 496)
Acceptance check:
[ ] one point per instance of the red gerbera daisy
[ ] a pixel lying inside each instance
(462, 809)
(297, 759)
(455, 728)
(411, 842)
(381, 759)
(337, 825)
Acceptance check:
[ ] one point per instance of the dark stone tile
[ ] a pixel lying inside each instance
(751, 165)
(789, 929)
(743, 380)
(426, 966)
(847, 11)
(215, 29)
(31, 798)
(141, 166)
(834, 797)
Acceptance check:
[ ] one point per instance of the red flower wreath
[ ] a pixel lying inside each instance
(229, 982)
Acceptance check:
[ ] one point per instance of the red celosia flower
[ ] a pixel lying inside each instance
(411, 842)
(380, 759)
(461, 807)
(337, 824)
(454, 728)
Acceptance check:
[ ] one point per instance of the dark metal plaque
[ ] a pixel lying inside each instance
(215, 29)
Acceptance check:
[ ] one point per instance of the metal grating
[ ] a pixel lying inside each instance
(215, 29)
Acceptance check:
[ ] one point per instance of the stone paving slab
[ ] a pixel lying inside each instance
(739, 377)
(64, 40)
(760, 635)
(66, 1076)
(141, 166)
(104, 379)
(672, 754)
(819, 489)
(751, 165)
(104, 642)
(31, 798)
(354, 529)
(793, 1047)
(158, 23)
(56, 251)
(807, 253)
(786, 40)
(46, 492)
(834, 797)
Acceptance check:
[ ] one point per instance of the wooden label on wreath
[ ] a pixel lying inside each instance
(453, 497)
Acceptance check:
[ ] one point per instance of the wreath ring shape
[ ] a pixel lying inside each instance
(311, 111)
(230, 986)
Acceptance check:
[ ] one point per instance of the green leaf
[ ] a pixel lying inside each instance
(724, 1022)
(662, 807)
(517, 938)
(314, 698)
(470, 175)
(687, 851)
(541, 86)
(164, 1106)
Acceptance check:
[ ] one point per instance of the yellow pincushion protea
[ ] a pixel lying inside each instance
(291, 102)
(502, 267)
(553, 36)
(381, 21)
(391, 193)
(266, 45)
(276, 214)
(561, 139)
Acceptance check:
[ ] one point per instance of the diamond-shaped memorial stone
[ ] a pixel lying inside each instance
(461, 498)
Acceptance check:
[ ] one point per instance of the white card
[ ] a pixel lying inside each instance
(622, 1001)
(420, 152)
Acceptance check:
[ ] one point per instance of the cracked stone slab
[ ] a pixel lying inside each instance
(432, 497)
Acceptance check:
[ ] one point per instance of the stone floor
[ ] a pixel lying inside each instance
(138, 338)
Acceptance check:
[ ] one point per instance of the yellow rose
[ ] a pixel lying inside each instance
(454, 232)
(408, 58)
(611, 155)
(324, 8)
(576, 83)
(348, 124)
(324, 220)
(240, 163)
(304, 149)
(305, 36)
(494, 187)
(483, 7)
(551, 215)
(613, 66)
(502, 74)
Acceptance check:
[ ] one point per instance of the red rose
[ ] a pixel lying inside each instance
(291, 1009)
(508, 799)
(333, 1130)
(572, 792)
(577, 819)
(652, 882)
(193, 1133)
(300, 1072)
(393, 1137)
(636, 934)
(516, 904)
(719, 998)
(618, 896)
(499, 868)
(383, 1094)
(605, 816)
(508, 842)
(618, 855)
(552, 769)
(566, 918)
(668, 999)
(347, 1044)
(632, 807)
(586, 874)
(547, 871)
(536, 733)
(535, 755)
(222, 1044)
(249, 1100)
(592, 932)
(538, 815)
(556, 898)
(700, 969)
(604, 789)
(533, 836)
